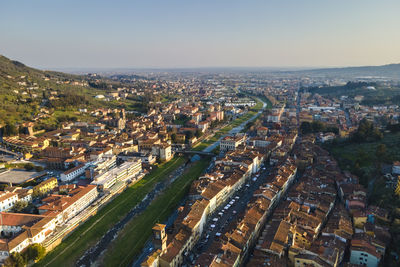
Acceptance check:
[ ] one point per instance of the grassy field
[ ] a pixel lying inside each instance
(93, 229)
(131, 240)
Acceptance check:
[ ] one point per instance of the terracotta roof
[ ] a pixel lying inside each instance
(19, 219)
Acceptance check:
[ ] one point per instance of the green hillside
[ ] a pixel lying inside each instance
(381, 94)
(45, 97)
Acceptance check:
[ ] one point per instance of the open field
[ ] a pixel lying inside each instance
(94, 228)
(131, 240)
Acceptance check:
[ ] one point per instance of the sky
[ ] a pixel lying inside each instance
(206, 33)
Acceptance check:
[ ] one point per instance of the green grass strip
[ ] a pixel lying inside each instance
(132, 239)
(88, 234)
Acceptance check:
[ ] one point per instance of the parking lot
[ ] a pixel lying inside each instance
(219, 222)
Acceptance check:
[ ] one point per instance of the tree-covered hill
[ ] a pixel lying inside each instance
(374, 93)
(29, 94)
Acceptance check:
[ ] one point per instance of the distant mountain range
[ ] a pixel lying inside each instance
(390, 71)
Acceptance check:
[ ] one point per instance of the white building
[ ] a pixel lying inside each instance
(7, 200)
(73, 173)
(71, 204)
(127, 171)
(163, 151)
(231, 142)
(396, 167)
(24, 230)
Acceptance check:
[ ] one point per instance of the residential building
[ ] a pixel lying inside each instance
(45, 186)
(7, 200)
(363, 253)
(73, 173)
(71, 204)
(231, 142)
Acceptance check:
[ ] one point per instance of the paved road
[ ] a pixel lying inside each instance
(220, 221)
(236, 129)
(348, 120)
(9, 152)
(92, 254)
(240, 204)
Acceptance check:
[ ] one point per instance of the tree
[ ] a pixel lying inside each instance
(15, 259)
(198, 133)
(3, 186)
(332, 129)
(20, 206)
(36, 252)
(39, 168)
(29, 166)
(189, 134)
(9, 262)
(362, 157)
(305, 127)
(173, 137)
(366, 132)
(380, 152)
(317, 126)
(10, 130)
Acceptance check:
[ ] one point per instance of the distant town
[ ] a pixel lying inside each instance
(199, 168)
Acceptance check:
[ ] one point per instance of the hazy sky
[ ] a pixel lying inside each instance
(200, 33)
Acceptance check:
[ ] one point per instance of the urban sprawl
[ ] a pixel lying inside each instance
(270, 195)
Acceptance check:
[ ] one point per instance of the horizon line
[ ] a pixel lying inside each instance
(276, 68)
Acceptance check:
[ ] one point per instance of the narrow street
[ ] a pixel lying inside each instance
(236, 207)
(219, 221)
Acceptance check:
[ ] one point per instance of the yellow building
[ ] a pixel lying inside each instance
(397, 191)
(45, 186)
(359, 219)
(301, 238)
(180, 138)
(309, 260)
